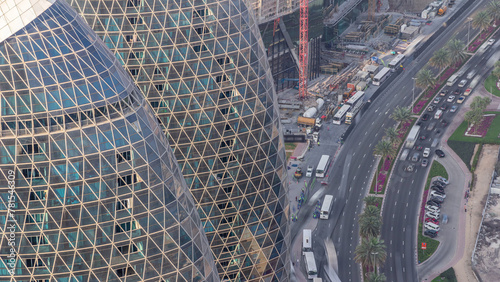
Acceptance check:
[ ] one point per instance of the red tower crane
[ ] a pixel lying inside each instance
(303, 47)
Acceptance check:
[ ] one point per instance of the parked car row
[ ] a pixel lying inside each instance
(433, 207)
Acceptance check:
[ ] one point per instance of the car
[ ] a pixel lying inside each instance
(450, 98)
(437, 189)
(445, 218)
(439, 153)
(409, 168)
(444, 180)
(438, 194)
(433, 203)
(425, 117)
(443, 93)
(462, 83)
(431, 126)
(467, 92)
(424, 162)
(471, 74)
(437, 100)
(430, 214)
(453, 108)
(426, 152)
(433, 220)
(431, 108)
(444, 122)
(432, 209)
(460, 99)
(439, 183)
(416, 157)
(443, 107)
(419, 148)
(437, 199)
(309, 172)
(491, 41)
(422, 137)
(431, 233)
(431, 226)
(456, 92)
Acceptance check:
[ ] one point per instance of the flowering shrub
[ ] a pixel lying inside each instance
(387, 164)
(481, 38)
(419, 106)
(381, 181)
(482, 128)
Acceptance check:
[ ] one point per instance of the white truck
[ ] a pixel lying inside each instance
(412, 136)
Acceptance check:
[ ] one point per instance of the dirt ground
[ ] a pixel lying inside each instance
(488, 246)
(475, 206)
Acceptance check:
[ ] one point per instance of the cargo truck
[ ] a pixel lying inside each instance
(305, 121)
(442, 11)
(412, 136)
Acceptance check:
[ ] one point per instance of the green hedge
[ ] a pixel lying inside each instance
(447, 276)
(437, 169)
(465, 150)
(490, 85)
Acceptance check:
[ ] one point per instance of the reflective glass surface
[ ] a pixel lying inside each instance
(89, 187)
(204, 71)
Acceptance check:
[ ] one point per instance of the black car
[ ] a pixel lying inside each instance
(439, 184)
(435, 188)
(430, 233)
(425, 117)
(440, 153)
(437, 199)
(444, 122)
(433, 203)
(457, 92)
(443, 107)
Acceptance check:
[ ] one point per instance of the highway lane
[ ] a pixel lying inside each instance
(360, 146)
(401, 206)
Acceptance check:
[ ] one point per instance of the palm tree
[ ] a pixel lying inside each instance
(370, 200)
(369, 226)
(425, 78)
(456, 51)
(385, 149)
(401, 114)
(481, 20)
(370, 211)
(392, 134)
(440, 59)
(376, 277)
(371, 252)
(494, 10)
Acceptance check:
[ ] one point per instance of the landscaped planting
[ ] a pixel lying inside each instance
(481, 129)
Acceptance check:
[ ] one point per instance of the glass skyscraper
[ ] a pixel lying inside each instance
(89, 188)
(203, 69)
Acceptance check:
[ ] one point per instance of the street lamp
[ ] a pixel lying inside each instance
(468, 33)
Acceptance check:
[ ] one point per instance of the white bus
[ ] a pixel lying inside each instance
(452, 80)
(312, 271)
(306, 240)
(322, 168)
(356, 101)
(381, 76)
(339, 117)
(326, 207)
(396, 62)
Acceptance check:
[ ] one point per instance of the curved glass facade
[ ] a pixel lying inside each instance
(89, 188)
(203, 69)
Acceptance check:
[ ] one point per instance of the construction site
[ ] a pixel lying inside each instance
(316, 77)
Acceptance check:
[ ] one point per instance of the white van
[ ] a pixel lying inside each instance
(404, 155)
(431, 226)
(438, 114)
(430, 214)
(452, 80)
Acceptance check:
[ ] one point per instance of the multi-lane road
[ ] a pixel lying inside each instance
(350, 176)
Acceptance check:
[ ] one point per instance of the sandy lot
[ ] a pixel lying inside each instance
(475, 206)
